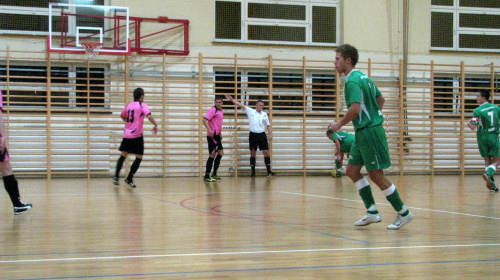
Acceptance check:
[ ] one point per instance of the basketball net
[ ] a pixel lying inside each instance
(92, 49)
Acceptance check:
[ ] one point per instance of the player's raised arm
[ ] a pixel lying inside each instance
(235, 102)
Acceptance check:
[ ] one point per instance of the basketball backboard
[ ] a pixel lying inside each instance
(72, 24)
(111, 26)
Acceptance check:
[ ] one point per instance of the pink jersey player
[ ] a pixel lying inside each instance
(134, 115)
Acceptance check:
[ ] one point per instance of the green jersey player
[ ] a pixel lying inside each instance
(343, 141)
(486, 121)
(370, 148)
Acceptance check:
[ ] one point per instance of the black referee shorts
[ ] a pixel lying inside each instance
(258, 140)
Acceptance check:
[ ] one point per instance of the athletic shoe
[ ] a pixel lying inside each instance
(270, 174)
(130, 183)
(215, 176)
(115, 181)
(489, 182)
(401, 221)
(495, 189)
(368, 219)
(208, 179)
(21, 208)
(252, 175)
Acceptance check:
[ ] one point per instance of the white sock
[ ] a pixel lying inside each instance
(390, 190)
(362, 183)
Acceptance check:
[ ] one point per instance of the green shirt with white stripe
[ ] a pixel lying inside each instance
(488, 115)
(359, 88)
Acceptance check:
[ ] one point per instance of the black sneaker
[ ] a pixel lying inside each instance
(115, 181)
(270, 174)
(130, 183)
(494, 189)
(252, 175)
(22, 207)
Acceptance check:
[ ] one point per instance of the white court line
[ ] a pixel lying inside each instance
(386, 204)
(253, 252)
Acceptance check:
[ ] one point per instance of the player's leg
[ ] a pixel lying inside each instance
(392, 195)
(489, 149)
(12, 188)
(264, 147)
(220, 153)
(212, 150)
(119, 165)
(253, 154)
(137, 148)
(133, 169)
(353, 171)
(217, 160)
(375, 151)
(253, 145)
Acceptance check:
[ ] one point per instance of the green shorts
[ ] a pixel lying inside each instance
(370, 149)
(346, 147)
(488, 145)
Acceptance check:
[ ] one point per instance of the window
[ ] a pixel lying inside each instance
(226, 84)
(465, 25)
(71, 87)
(287, 90)
(324, 98)
(306, 22)
(447, 94)
(31, 17)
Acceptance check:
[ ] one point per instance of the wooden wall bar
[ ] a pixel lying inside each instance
(65, 122)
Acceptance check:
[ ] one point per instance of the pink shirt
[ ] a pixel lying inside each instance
(134, 114)
(215, 118)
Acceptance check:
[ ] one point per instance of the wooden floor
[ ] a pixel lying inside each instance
(241, 228)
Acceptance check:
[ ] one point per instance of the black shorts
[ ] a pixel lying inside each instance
(258, 140)
(214, 144)
(133, 145)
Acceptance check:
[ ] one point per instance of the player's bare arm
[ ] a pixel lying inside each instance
(235, 102)
(152, 120)
(270, 133)
(353, 111)
(209, 130)
(380, 102)
(337, 149)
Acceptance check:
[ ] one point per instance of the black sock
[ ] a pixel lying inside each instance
(10, 184)
(119, 165)
(252, 164)
(267, 160)
(133, 169)
(210, 162)
(216, 163)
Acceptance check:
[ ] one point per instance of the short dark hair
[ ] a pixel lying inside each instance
(348, 51)
(485, 93)
(259, 101)
(138, 92)
(329, 131)
(218, 97)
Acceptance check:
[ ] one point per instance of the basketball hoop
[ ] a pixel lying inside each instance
(91, 49)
